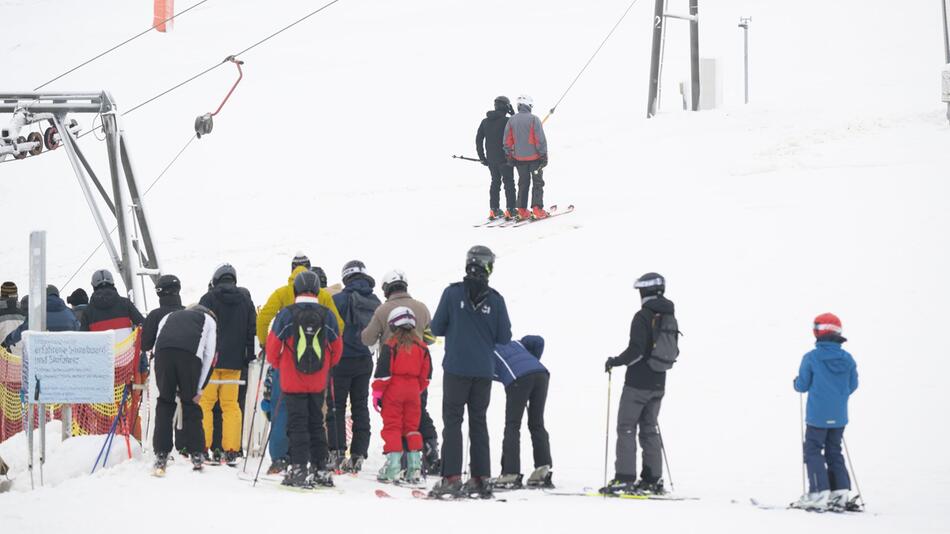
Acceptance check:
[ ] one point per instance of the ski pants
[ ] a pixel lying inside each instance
(826, 471)
(279, 443)
(426, 424)
(528, 392)
(308, 435)
(350, 380)
(457, 393)
(502, 173)
(177, 373)
(401, 411)
(639, 408)
(230, 409)
(218, 419)
(530, 174)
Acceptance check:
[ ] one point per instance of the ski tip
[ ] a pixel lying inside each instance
(382, 494)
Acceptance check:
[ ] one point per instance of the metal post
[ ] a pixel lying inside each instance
(744, 24)
(658, 22)
(945, 5)
(110, 128)
(37, 323)
(694, 51)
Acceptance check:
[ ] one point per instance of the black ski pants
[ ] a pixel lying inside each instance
(502, 173)
(457, 393)
(242, 397)
(426, 424)
(177, 373)
(528, 392)
(350, 380)
(530, 174)
(308, 435)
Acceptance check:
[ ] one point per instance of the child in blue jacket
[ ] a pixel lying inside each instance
(829, 375)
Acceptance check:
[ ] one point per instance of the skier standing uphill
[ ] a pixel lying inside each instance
(351, 377)
(527, 149)
(237, 317)
(643, 391)
(304, 345)
(396, 291)
(107, 310)
(517, 366)
(491, 152)
(11, 316)
(167, 288)
(184, 356)
(402, 374)
(473, 318)
(829, 375)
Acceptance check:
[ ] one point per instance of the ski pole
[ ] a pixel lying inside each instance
(466, 158)
(250, 432)
(801, 428)
(607, 432)
(854, 475)
(666, 459)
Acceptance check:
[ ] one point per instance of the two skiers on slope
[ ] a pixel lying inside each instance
(304, 344)
(829, 375)
(519, 143)
(402, 373)
(378, 332)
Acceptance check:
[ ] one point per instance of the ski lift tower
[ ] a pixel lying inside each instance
(660, 15)
(133, 254)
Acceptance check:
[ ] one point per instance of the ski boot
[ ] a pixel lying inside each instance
(618, 486)
(645, 487)
(161, 461)
(816, 501)
(541, 478)
(450, 487)
(477, 488)
(277, 467)
(494, 215)
(538, 213)
(522, 215)
(509, 481)
(4, 468)
(509, 214)
(336, 460)
(322, 477)
(198, 461)
(838, 500)
(412, 476)
(297, 477)
(217, 457)
(430, 456)
(390, 471)
(353, 464)
(231, 458)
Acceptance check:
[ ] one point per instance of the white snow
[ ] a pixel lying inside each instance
(828, 193)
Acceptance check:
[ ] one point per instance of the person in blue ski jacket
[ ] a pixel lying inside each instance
(59, 318)
(829, 375)
(518, 367)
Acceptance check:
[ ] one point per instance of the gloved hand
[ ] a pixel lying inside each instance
(509, 161)
(265, 407)
(543, 162)
(378, 401)
(609, 364)
(196, 398)
(143, 363)
(483, 161)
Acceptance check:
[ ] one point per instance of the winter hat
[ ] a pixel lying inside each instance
(52, 290)
(321, 274)
(102, 277)
(168, 284)
(224, 273)
(299, 259)
(8, 290)
(78, 297)
(306, 282)
(354, 268)
(534, 345)
(502, 103)
(827, 324)
(650, 284)
(401, 317)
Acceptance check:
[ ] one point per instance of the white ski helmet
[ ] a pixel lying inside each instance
(394, 279)
(525, 100)
(402, 317)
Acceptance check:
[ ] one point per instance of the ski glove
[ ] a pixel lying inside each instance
(543, 162)
(143, 362)
(378, 401)
(483, 161)
(609, 364)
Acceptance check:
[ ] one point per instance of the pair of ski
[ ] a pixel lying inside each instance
(276, 481)
(553, 211)
(630, 496)
(852, 506)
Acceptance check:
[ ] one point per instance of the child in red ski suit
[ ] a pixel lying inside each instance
(402, 373)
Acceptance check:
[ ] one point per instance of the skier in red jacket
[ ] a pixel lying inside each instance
(402, 373)
(304, 344)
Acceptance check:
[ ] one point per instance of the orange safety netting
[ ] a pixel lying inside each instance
(86, 418)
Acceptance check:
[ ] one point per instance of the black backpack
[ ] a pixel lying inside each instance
(665, 342)
(360, 310)
(307, 325)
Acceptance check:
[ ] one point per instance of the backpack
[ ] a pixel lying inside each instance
(360, 310)
(665, 342)
(307, 325)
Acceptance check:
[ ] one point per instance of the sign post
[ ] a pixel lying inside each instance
(37, 323)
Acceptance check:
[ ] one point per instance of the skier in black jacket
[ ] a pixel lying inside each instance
(169, 300)
(488, 144)
(642, 394)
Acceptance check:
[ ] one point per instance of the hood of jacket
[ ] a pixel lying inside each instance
(659, 304)
(54, 304)
(833, 357)
(169, 300)
(293, 274)
(104, 298)
(227, 293)
(496, 114)
(360, 284)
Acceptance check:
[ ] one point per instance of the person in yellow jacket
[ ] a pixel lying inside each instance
(284, 296)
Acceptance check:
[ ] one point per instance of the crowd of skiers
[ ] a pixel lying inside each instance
(505, 144)
(320, 342)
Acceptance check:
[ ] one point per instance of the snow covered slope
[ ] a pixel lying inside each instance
(828, 193)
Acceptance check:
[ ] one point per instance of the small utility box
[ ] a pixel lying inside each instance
(710, 80)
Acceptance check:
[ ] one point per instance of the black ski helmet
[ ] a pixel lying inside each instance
(354, 269)
(320, 274)
(168, 284)
(650, 284)
(306, 282)
(502, 103)
(479, 260)
(223, 271)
